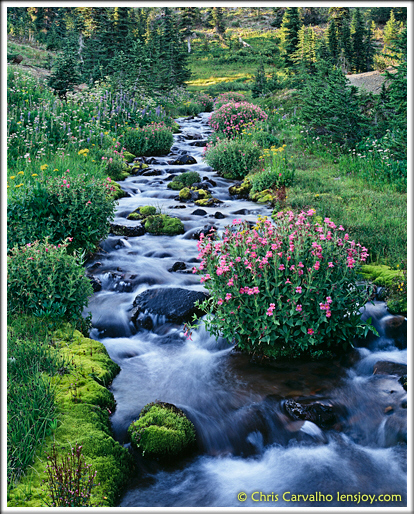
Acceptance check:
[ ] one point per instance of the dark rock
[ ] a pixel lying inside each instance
(184, 159)
(403, 381)
(389, 368)
(210, 181)
(205, 230)
(218, 215)
(179, 265)
(144, 321)
(122, 230)
(96, 283)
(199, 212)
(179, 207)
(395, 327)
(243, 212)
(152, 160)
(321, 415)
(404, 404)
(176, 304)
(151, 173)
(199, 144)
(192, 136)
(95, 265)
(201, 185)
(17, 59)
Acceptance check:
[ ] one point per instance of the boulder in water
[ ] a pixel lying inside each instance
(321, 415)
(183, 159)
(389, 368)
(176, 304)
(122, 230)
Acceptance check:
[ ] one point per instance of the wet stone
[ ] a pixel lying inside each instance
(218, 215)
(199, 212)
(321, 415)
(389, 368)
(122, 230)
(152, 173)
(177, 266)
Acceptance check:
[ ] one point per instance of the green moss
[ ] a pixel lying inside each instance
(175, 185)
(162, 431)
(207, 202)
(397, 306)
(142, 212)
(175, 127)
(186, 179)
(185, 194)
(83, 406)
(162, 224)
(241, 191)
(128, 156)
(117, 192)
(380, 274)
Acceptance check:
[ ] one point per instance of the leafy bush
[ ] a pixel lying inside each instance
(162, 431)
(276, 171)
(154, 139)
(78, 207)
(284, 290)
(205, 101)
(186, 179)
(44, 280)
(228, 97)
(234, 158)
(232, 118)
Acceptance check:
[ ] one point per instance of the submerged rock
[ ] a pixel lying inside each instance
(122, 230)
(389, 368)
(176, 304)
(183, 159)
(321, 415)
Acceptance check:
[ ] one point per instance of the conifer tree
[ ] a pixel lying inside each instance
(188, 20)
(66, 72)
(358, 60)
(391, 31)
(369, 49)
(260, 83)
(332, 41)
(290, 27)
(217, 19)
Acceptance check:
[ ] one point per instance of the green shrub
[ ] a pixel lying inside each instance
(276, 172)
(186, 179)
(154, 139)
(284, 290)
(44, 280)
(232, 118)
(161, 224)
(162, 431)
(234, 158)
(116, 168)
(78, 207)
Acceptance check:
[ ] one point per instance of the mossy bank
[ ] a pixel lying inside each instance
(84, 405)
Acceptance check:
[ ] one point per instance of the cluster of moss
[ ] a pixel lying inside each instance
(204, 197)
(384, 276)
(161, 224)
(241, 190)
(186, 179)
(142, 212)
(117, 192)
(162, 431)
(83, 404)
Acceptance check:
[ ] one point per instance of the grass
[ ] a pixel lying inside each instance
(32, 55)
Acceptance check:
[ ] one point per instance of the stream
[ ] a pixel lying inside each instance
(246, 440)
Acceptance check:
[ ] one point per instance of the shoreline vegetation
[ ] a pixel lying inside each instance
(303, 139)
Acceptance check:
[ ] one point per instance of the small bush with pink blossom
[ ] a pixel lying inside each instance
(45, 281)
(232, 118)
(285, 289)
(76, 206)
(228, 97)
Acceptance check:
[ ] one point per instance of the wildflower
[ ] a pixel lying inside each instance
(299, 307)
(298, 289)
(12, 177)
(310, 331)
(34, 174)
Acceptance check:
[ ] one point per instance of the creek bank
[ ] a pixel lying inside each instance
(84, 404)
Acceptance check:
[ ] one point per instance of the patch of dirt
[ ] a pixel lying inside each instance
(371, 81)
(39, 73)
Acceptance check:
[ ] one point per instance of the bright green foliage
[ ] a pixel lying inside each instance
(284, 292)
(162, 431)
(44, 280)
(78, 207)
(185, 194)
(259, 86)
(233, 158)
(305, 53)
(184, 180)
(154, 139)
(330, 107)
(115, 168)
(277, 171)
(30, 400)
(84, 404)
(142, 212)
(391, 31)
(161, 224)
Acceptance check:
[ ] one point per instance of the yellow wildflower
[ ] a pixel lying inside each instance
(34, 174)
(18, 185)
(43, 167)
(21, 173)
(12, 177)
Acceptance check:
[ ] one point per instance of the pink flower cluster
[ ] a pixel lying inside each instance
(233, 117)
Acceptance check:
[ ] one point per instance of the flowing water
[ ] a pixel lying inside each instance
(246, 441)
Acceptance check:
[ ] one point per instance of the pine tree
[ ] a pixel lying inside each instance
(260, 83)
(217, 19)
(188, 20)
(332, 41)
(369, 48)
(358, 60)
(290, 27)
(391, 31)
(66, 72)
(305, 54)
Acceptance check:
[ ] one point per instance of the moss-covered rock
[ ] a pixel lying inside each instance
(118, 192)
(202, 194)
(161, 224)
(162, 431)
(83, 407)
(128, 156)
(186, 179)
(241, 189)
(208, 202)
(142, 212)
(380, 274)
(185, 194)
